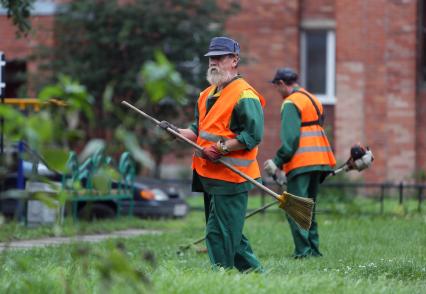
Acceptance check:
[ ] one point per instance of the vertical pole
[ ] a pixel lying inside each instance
(2, 86)
(20, 181)
(420, 196)
(382, 198)
(401, 192)
(20, 184)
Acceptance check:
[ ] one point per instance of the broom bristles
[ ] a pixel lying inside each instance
(300, 209)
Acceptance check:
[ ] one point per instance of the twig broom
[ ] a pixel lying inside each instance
(298, 208)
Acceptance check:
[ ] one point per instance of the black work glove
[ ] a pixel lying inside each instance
(164, 124)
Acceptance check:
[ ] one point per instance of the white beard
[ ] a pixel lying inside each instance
(217, 77)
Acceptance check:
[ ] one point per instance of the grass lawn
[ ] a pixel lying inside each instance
(363, 253)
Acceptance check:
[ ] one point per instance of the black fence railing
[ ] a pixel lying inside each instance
(381, 192)
(400, 190)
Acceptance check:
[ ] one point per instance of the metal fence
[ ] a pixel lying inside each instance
(381, 192)
(401, 191)
(378, 191)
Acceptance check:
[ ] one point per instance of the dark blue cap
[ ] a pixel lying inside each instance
(223, 46)
(285, 74)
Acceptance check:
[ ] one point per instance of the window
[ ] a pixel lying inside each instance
(15, 78)
(318, 63)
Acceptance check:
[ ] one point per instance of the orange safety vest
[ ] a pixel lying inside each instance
(314, 148)
(214, 126)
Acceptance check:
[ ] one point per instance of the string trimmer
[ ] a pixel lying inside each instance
(360, 158)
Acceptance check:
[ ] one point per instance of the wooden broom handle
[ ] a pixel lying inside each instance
(198, 147)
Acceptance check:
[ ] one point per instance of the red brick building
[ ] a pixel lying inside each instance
(363, 58)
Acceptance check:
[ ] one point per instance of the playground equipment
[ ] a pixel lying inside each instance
(90, 200)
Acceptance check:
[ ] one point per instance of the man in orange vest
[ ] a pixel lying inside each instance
(305, 154)
(229, 125)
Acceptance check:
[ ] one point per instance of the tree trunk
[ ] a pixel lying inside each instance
(158, 158)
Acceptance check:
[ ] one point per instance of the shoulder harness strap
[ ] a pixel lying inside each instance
(320, 120)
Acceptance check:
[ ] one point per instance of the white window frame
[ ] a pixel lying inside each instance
(329, 98)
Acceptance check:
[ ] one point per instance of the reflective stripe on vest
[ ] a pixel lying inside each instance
(211, 137)
(234, 161)
(214, 126)
(314, 148)
(312, 134)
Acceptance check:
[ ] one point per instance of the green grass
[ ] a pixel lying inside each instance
(363, 253)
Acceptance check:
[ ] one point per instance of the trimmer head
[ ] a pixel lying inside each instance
(358, 151)
(361, 158)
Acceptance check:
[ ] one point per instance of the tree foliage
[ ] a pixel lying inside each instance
(19, 11)
(162, 98)
(51, 128)
(103, 42)
(45, 130)
(146, 52)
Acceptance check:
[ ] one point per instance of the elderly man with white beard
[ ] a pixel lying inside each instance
(229, 125)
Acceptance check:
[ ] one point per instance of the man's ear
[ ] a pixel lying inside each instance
(236, 60)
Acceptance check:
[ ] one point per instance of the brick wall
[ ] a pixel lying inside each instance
(421, 94)
(376, 45)
(401, 75)
(12, 47)
(421, 130)
(350, 83)
(22, 48)
(317, 9)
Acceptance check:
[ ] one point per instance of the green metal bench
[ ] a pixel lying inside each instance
(80, 182)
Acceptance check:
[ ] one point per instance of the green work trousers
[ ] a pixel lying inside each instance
(306, 241)
(226, 245)
(207, 200)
